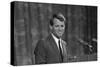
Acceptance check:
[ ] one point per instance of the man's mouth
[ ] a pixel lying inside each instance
(60, 32)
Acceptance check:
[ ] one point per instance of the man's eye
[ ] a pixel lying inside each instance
(62, 25)
(56, 25)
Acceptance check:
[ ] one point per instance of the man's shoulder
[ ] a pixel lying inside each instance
(45, 39)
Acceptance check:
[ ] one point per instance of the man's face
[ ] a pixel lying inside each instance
(58, 27)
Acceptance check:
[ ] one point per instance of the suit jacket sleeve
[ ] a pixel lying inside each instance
(40, 53)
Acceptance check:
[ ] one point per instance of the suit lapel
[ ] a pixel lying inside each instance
(53, 44)
(64, 49)
(65, 52)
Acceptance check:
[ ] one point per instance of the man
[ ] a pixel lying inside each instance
(52, 49)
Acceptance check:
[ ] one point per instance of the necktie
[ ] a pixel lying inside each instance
(61, 55)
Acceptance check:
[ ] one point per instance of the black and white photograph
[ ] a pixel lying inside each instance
(52, 33)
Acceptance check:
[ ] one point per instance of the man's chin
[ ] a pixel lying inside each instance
(59, 36)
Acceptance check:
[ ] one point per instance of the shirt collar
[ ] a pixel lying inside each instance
(55, 38)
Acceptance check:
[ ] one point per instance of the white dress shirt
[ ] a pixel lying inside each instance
(56, 40)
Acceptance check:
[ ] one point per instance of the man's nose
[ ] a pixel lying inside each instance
(60, 28)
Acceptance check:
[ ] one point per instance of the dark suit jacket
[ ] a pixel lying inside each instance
(47, 51)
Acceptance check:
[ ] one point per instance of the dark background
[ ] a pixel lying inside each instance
(31, 23)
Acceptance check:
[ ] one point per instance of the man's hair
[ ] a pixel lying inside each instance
(58, 16)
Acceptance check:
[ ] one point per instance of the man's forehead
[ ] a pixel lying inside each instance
(57, 21)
